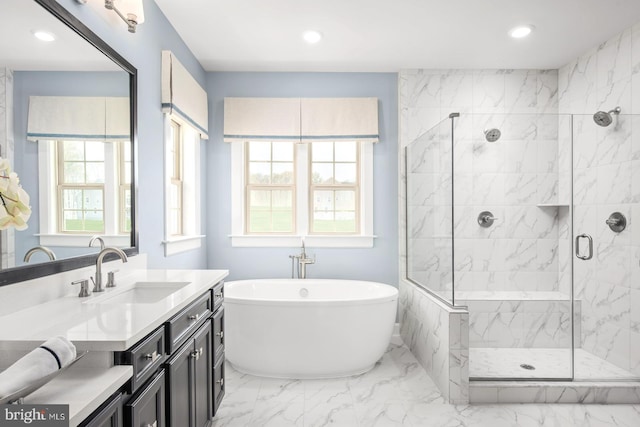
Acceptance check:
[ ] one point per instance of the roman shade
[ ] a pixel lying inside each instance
(78, 118)
(301, 119)
(273, 119)
(339, 119)
(182, 95)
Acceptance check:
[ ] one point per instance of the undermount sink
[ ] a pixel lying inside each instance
(140, 293)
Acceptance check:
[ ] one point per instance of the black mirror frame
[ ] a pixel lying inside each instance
(28, 272)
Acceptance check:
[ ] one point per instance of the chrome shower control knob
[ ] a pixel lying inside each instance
(486, 219)
(617, 222)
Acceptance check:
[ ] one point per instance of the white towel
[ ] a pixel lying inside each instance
(37, 364)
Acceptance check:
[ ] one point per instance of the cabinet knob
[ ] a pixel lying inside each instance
(218, 295)
(220, 334)
(193, 317)
(154, 424)
(197, 353)
(221, 382)
(151, 356)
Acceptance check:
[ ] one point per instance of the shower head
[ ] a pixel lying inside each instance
(492, 135)
(604, 119)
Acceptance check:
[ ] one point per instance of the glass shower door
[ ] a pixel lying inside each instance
(606, 246)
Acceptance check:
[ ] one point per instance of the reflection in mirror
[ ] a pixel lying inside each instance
(65, 127)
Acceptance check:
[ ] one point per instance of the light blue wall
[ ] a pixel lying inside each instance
(143, 51)
(47, 83)
(379, 263)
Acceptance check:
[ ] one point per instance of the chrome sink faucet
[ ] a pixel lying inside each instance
(303, 261)
(97, 282)
(97, 238)
(35, 249)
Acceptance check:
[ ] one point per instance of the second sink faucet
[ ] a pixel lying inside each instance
(97, 282)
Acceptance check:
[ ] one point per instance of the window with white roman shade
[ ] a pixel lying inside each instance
(329, 198)
(186, 119)
(84, 152)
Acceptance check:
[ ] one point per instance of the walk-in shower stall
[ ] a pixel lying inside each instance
(528, 220)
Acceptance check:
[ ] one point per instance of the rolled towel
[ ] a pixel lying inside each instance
(54, 354)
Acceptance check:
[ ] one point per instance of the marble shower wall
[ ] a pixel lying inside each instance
(607, 179)
(438, 338)
(510, 177)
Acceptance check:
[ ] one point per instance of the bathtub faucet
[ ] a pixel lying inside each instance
(303, 260)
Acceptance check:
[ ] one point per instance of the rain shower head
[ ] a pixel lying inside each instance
(604, 119)
(492, 135)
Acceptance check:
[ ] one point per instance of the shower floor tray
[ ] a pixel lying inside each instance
(548, 363)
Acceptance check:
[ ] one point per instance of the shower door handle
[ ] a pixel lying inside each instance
(590, 253)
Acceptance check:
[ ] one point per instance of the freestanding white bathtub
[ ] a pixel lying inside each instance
(307, 328)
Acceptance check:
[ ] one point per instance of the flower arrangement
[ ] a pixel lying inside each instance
(14, 201)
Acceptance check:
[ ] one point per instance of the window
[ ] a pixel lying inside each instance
(182, 186)
(81, 177)
(282, 191)
(270, 190)
(175, 178)
(87, 187)
(334, 193)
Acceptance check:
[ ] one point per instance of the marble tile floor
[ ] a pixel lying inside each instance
(549, 363)
(396, 392)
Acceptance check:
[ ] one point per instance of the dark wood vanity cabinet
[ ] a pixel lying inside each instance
(195, 370)
(178, 371)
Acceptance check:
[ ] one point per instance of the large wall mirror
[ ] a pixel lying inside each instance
(68, 128)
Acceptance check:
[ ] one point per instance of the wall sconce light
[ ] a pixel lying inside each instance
(130, 11)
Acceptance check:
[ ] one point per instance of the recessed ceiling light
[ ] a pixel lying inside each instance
(44, 36)
(521, 31)
(312, 36)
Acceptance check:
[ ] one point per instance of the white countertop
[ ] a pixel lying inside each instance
(83, 389)
(95, 326)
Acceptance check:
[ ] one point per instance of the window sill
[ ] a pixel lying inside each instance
(288, 241)
(80, 240)
(182, 244)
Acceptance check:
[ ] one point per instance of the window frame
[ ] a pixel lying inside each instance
(49, 201)
(124, 165)
(190, 187)
(363, 239)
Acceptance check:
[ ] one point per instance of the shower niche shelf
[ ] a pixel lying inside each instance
(552, 205)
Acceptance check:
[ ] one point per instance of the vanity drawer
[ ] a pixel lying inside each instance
(218, 295)
(145, 357)
(182, 325)
(218, 333)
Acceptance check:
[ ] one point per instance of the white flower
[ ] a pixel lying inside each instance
(14, 201)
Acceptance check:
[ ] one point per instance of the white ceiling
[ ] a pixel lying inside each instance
(389, 35)
(20, 50)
